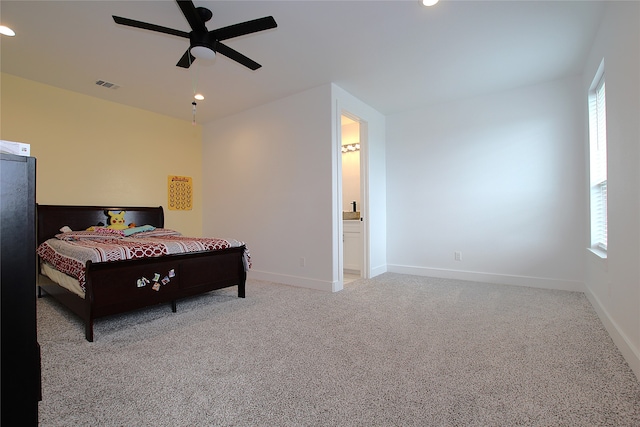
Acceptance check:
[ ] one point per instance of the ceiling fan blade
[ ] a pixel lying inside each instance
(147, 26)
(191, 14)
(186, 60)
(236, 56)
(243, 28)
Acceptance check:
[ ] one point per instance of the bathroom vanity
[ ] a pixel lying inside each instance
(352, 238)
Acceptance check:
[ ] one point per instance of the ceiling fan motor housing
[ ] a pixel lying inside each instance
(205, 14)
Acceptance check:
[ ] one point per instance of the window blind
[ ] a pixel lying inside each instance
(598, 165)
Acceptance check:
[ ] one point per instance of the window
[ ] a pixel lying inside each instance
(598, 161)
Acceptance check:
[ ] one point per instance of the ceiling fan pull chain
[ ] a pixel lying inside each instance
(194, 84)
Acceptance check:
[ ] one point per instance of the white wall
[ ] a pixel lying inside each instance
(277, 187)
(613, 284)
(268, 181)
(498, 178)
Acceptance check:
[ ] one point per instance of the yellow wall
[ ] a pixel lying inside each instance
(95, 152)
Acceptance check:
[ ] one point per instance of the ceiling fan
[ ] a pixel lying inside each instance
(204, 43)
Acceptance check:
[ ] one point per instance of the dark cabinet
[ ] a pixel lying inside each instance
(20, 352)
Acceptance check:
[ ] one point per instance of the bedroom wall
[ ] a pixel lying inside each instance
(276, 187)
(267, 181)
(95, 152)
(498, 178)
(613, 284)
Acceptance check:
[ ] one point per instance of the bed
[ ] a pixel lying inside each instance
(116, 286)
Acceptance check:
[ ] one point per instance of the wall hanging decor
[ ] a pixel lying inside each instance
(180, 193)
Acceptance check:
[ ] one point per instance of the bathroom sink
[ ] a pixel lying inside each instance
(350, 215)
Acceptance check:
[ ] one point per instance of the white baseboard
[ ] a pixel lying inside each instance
(301, 282)
(630, 353)
(502, 279)
(322, 285)
(376, 271)
(304, 282)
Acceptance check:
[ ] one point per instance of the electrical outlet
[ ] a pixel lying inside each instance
(457, 255)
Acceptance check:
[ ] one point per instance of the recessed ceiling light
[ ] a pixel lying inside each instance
(199, 96)
(429, 2)
(7, 31)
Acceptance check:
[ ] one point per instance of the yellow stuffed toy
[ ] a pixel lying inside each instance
(116, 220)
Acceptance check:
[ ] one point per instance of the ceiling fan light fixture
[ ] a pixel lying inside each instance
(203, 52)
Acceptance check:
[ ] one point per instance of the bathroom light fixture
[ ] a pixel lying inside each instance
(7, 31)
(350, 147)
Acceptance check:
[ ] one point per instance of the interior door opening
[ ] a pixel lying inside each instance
(353, 205)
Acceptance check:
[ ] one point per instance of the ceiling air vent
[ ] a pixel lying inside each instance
(106, 84)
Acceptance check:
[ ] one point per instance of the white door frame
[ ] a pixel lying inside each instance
(364, 195)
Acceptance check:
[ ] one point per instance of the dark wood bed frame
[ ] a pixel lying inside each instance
(111, 287)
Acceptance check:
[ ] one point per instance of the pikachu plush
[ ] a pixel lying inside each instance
(116, 220)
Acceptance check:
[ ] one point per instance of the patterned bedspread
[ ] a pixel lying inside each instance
(69, 254)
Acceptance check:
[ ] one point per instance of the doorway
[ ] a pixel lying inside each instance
(352, 199)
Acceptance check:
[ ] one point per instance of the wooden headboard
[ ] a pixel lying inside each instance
(51, 218)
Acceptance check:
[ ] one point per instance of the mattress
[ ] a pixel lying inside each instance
(67, 254)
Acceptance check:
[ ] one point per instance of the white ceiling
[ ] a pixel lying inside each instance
(393, 55)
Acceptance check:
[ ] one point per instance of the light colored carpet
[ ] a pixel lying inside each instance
(395, 350)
